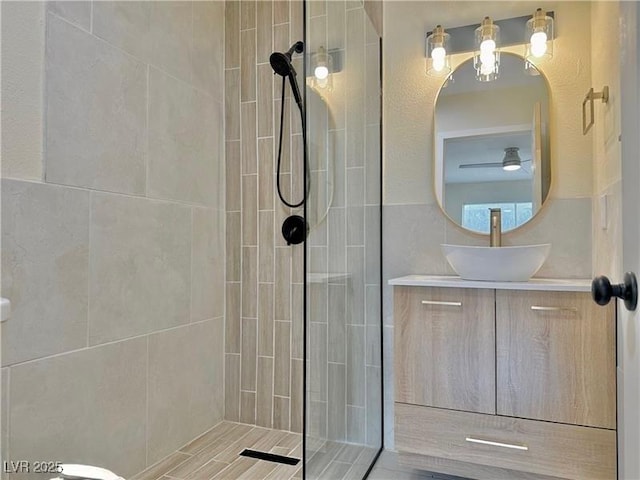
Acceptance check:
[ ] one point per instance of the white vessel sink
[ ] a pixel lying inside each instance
(497, 264)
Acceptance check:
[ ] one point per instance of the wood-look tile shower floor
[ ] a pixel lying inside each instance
(214, 455)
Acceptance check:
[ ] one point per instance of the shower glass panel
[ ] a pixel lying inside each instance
(343, 396)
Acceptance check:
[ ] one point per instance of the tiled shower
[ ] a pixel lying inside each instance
(153, 296)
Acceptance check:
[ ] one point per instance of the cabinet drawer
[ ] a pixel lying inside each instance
(445, 347)
(543, 448)
(556, 358)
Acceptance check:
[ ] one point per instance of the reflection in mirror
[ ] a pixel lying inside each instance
(492, 146)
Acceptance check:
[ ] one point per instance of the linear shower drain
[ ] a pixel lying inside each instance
(269, 457)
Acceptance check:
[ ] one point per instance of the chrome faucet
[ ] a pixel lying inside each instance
(495, 227)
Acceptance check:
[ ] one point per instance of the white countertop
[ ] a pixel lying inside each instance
(545, 284)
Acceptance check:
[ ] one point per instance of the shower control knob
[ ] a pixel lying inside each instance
(602, 290)
(294, 229)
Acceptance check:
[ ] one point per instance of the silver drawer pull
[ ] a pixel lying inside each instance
(497, 444)
(554, 309)
(435, 302)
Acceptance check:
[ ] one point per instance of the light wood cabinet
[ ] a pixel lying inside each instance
(556, 358)
(481, 373)
(445, 348)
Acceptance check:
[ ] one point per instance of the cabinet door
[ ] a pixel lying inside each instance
(556, 358)
(445, 347)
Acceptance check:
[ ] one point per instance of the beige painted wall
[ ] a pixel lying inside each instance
(607, 241)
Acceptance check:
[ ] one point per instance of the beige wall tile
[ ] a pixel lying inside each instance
(249, 142)
(264, 394)
(250, 282)
(265, 89)
(283, 284)
(337, 404)
(297, 389)
(285, 155)
(247, 14)
(265, 319)
(337, 242)
(266, 250)
(170, 32)
(280, 12)
(232, 322)
(355, 50)
(374, 406)
(248, 63)
(355, 292)
(207, 264)
(282, 359)
(232, 103)
(78, 13)
(317, 373)
(297, 320)
(356, 384)
(249, 210)
(232, 34)
(249, 354)
(45, 250)
(233, 177)
(248, 407)
(127, 25)
(185, 372)
(336, 18)
(185, 142)
(85, 406)
(317, 420)
(297, 19)
(4, 412)
(233, 246)
(207, 66)
(101, 147)
(317, 7)
(372, 245)
(128, 231)
(356, 424)
(337, 327)
(23, 44)
(266, 171)
(281, 413)
(264, 18)
(232, 387)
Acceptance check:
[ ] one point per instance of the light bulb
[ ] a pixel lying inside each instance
(487, 68)
(538, 44)
(438, 53)
(511, 168)
(437, 58)
(488, 46)
(321, 72)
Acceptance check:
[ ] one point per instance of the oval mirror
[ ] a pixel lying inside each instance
(492, 145)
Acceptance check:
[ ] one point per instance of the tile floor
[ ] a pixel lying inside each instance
(214, 456)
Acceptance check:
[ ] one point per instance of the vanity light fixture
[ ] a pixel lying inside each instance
(511, 161)
(322, 65)
(438, 56)
(539, 37)
(486, 57)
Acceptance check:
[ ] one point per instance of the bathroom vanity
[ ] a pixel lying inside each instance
(504, 380)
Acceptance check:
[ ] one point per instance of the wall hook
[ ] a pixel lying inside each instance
(590, 97)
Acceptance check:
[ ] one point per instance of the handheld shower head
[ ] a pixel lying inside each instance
(281, 62)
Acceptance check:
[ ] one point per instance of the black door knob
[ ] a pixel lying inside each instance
(602, 291)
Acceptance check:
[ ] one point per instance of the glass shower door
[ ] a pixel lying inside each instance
(343, 390)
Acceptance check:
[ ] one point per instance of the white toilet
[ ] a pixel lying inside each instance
(69, 471)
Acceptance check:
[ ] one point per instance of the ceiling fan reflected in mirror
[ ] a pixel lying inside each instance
(510, 163)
